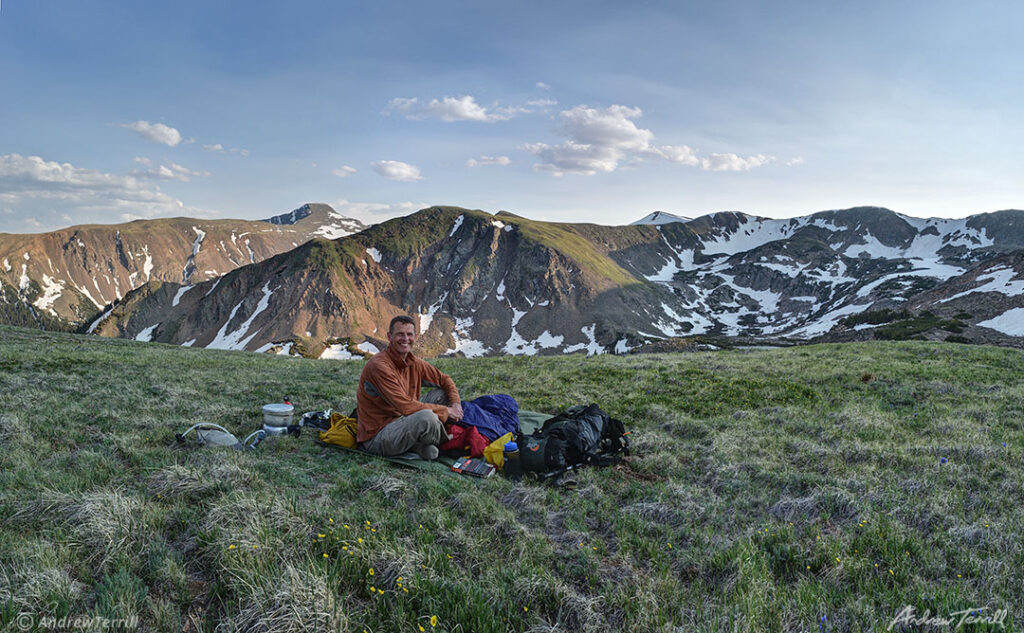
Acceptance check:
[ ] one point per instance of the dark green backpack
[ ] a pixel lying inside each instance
(581, 435)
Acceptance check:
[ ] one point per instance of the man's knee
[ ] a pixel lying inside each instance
(426, 421)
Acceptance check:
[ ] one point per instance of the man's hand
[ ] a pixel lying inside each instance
(455, 412)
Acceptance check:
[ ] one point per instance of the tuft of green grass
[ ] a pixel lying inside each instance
(766, 489)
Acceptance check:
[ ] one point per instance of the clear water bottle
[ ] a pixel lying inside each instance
(512, 469)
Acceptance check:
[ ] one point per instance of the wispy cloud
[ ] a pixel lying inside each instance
(155, 132)
(57, 194)
(489, 160)
(373, 212)
(542, 85)
(601, 140)
(397, 170)
(732, 162)
(344, 171)
(173, 171)
(464, 108)
(216, 147)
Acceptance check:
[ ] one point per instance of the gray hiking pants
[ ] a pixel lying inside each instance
(410, 432)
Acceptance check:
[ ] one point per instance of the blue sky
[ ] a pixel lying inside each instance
(565, 111)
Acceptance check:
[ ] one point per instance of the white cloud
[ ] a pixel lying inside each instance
(53, 194)
(155, 132)
(464, 108)
(397, 170)
(173, 171)
(342, 172)
(600, 140)
(680, 154)
(732, 162)
(374, 212)
(799, 160)
(216, 147)
(542, 85)
(488, 160)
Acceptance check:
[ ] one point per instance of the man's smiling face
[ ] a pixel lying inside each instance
(401, 337)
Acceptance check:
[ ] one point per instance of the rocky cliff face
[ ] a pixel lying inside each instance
(502, 284)
(63, 279)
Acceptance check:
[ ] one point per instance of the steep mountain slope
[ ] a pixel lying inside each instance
(985, 304)
(61, 279)
(484, 284)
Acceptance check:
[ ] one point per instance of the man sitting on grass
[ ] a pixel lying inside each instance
(392, 418)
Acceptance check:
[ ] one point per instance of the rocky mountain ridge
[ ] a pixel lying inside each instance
(65, 278)
(502, 284)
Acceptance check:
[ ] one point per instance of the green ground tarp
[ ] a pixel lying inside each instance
(529, 421)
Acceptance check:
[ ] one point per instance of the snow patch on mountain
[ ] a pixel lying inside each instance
(458, 223)
(463, 340)
(368, 347)
(374, 254)
(179, 294)
(749, 235)
(234, 340)
(147, 266)
(1001, 279)
(592, 347)
(146, 335)
(338, 352)
(52, 290)
(1010, 322)
(103, 317)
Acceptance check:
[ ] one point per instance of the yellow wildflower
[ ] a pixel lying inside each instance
(371, 571)
(232, 546)
(433, 620)
(359, 540)
(421, 628)
(331, 520)
(525, 609)
(320, 535)
(325, 555)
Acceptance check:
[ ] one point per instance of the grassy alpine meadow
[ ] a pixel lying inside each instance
(818, 488)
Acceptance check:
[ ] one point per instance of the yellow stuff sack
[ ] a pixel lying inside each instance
(495, 451)
(342, 431)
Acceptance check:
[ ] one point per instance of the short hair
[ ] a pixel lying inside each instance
(401, 318)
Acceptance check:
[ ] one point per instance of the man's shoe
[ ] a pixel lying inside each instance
(428, 452)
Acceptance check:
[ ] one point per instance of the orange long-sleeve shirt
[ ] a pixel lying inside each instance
(389, 387)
